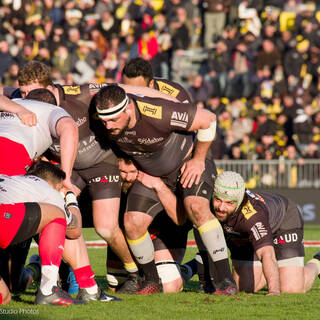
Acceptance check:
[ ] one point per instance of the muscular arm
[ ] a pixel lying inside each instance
(27, 117)
(166, 196)
(146, 91)
(192, 169)
(67, 131)
(270, 268)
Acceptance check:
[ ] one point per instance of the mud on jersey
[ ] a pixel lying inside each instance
(154, 142)
(256, 221)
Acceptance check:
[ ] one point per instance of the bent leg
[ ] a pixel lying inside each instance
(106, 223)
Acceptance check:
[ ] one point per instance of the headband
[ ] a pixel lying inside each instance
(114, 111)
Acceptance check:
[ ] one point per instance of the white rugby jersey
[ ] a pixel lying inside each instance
(38, 138)
(17, 189)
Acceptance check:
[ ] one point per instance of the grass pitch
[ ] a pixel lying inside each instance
(188, 304)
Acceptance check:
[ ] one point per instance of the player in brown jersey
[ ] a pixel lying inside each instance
(264, 232)
(139, 72)
(145, 129)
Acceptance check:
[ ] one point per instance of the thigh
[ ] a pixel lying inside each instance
(105, 212)
(292, 277)
(205, 187)
(18, 222)
(144, 200)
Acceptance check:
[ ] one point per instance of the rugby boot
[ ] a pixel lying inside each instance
(100, 295)
(226, 287)
(131, 285)
(57, 298)
(150, 287)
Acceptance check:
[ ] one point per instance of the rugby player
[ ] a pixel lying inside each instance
(264, 232)
(40, 210)
(95, 165)
(144, 129)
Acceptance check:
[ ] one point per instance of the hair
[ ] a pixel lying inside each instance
(109, 96)
(46, 171)
(35, 71)
(138, 67)
(43, 95)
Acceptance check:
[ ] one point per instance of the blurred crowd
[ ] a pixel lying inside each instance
(260, 71)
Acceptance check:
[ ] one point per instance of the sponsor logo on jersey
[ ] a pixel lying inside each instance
(130, 133)
(179, 119)
(81, 121)
(86, 145)
(286, 238)
(247, 210)
(95, 87)
(105, 179)
(125, 140)
(7, 215)
(259, 231)
(72, 90)
(149, 141)
(150, 110)
(255, 196)
(167, 88)
(6, 115)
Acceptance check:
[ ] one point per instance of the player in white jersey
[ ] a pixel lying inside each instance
(21, 144)
(40, 210)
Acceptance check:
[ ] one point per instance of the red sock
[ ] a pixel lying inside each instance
(51, 243)
(85, 277)
(0, 298)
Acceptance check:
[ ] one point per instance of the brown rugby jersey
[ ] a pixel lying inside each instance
(173, 89)
(154, 142)
(76, 100)
(256, 221)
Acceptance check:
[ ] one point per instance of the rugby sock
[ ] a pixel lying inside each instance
(85, 279)
(130, 267)
(143, 250)
(0, 298)
(211, 234)
(51, 242)
(51, 245)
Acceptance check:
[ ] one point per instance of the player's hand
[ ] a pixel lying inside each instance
(68, 186)
(191, 172)
(128, 171)
(147, 180)
(27, 117)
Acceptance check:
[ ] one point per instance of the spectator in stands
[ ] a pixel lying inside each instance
(240, 75)
(200, 89)
(219, 62)
(215, 14)
(5, 57)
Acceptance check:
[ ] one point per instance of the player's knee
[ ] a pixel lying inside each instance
(104, 233)
(133, 224)
(292, 288)
(173, 286)
(198, 210)
(6, 298)
(170, 276)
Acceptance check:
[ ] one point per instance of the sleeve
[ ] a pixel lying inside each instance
(257, 225)
(175, 116)
(55, 115)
